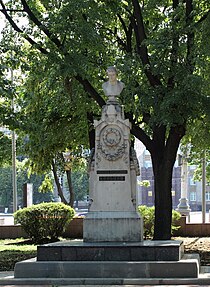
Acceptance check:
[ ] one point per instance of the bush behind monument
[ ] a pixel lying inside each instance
(44, 220)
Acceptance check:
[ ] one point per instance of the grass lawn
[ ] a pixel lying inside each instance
(14, 250)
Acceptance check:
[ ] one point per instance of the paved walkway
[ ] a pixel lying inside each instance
(7, 280)
(103, 285)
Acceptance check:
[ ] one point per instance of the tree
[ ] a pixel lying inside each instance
(80, 183)
(161, 52)
(198, 135)
(5, 149)
(22, 177)
(51, 130)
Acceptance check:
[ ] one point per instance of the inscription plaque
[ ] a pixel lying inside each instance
(112, 171)
(111, 178)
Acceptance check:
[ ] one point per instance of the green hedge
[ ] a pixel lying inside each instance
(148, 214)
(44, 220)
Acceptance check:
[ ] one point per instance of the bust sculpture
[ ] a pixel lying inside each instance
(112, 88)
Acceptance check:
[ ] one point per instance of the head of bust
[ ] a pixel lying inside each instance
(112, 75)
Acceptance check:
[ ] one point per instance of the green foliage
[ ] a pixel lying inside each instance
(47, 184)
(6, 186)
(5, 149)
(148, 214)
(15, 250)
(22, 177)
(161, 49)
(145, 183)
(175, 219)
(80, 183)
(45, 220)
(198, 135)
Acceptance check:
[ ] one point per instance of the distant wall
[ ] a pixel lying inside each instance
(192, 229)
(12, 231)
(75, 229)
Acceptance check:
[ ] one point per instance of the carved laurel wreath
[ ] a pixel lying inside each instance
(111, 143)
(111, 137)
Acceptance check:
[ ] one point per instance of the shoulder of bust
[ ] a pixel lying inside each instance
(105, 84)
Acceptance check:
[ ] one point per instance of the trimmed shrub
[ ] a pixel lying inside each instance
(148, 214)
(44, 220)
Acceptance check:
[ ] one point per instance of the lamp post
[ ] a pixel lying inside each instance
(14, 170)
(183, 206)
(204, 188)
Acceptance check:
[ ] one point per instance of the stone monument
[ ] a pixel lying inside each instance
(112, 250)
(113, 169)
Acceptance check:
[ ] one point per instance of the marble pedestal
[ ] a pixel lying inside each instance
(113, 170)
(112, 227)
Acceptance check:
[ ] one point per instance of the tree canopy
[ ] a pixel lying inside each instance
(63, 49)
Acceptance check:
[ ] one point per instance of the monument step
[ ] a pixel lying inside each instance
(188, 267)
(169, 250)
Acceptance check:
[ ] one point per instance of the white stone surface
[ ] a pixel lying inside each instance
(112, 177)
(113, 174)
(113, 87)
(113, 227)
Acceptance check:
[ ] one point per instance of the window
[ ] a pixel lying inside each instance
(192, 196)
(150, 193)
(192, 182)
(147, 163)
(208, 195)
(173, 192)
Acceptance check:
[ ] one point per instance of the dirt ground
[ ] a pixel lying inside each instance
(199, 245)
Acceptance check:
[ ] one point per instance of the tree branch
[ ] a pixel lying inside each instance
(190, 36)
(71, 190)
(17, 29)
(40, 25)
(60, 192)
(12, 10)
(140, 36)
(174, 49)
(123, 23)
(90, 89)
(129, 37)
(128, 33)
(140, 33)
(141, 135)
(91, 130)
(176, 133)
(202, 18)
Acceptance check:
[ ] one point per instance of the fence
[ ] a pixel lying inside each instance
(75, 229)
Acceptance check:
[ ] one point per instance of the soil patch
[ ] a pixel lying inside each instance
(200, 245)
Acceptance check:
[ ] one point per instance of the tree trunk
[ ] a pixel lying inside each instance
(91, 130)
(163, 156)
(60, 191)
(162, 170)
(71, 190)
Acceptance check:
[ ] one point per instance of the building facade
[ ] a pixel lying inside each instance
(194, 189)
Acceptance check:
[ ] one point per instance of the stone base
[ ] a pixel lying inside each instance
(109, 226)
(188, 267)
(77, 250)
(183, 207)
(111, 260)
